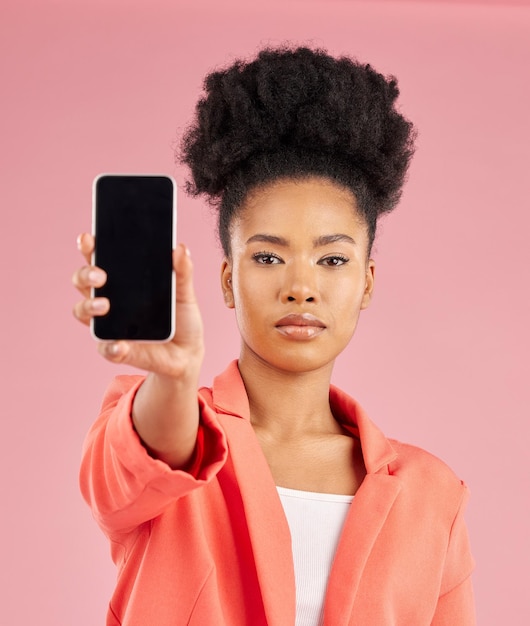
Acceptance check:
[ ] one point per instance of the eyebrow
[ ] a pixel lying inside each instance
(323, 240)
(263, 238)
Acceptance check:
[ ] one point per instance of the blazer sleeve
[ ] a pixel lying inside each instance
(456, 605)
(121, 482)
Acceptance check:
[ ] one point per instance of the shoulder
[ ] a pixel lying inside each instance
(414, 460)
(403, 459)
(427, 480)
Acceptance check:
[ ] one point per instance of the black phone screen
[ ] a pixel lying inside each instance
(134, 231)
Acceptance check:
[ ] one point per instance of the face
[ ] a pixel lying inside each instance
(298, 275)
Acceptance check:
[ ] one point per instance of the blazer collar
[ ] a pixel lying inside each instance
(229, 393)
(267, 525)
(230, 397)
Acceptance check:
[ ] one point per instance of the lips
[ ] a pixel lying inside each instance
(306, 319)
(304, 326)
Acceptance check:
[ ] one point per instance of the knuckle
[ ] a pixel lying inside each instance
(79, 311)
(85, 243)
(80, 277)
(75, 279)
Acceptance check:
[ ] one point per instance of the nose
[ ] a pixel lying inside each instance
(300, 284)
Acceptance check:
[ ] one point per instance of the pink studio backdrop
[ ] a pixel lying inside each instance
(440, 358)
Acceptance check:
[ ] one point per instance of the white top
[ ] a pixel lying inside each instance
(315, 521)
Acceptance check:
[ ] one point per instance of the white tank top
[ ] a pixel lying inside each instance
(315, 521)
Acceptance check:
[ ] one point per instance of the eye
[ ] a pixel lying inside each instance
(266, 258)
(334, 261)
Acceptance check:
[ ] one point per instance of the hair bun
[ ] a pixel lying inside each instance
(293, 112)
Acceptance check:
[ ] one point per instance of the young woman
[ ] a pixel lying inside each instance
(271, 498)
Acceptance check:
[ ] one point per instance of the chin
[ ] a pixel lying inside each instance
(294, 362)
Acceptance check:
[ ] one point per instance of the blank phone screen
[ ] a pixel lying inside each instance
(134, 231)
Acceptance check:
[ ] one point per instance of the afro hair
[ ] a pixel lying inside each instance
(295, 113)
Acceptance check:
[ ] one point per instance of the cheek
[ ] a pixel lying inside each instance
(253, 285)
(346, 302)
(349, 290)
(245, 303)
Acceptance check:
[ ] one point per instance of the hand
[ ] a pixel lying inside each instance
(174, 358)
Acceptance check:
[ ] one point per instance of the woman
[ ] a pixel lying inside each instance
(271, 498)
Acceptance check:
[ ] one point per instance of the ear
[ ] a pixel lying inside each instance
(226, 283)
(369, 285)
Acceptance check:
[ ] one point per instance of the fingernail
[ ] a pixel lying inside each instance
(95, 276)
(98, 305)
(113, 349)
(79, 241)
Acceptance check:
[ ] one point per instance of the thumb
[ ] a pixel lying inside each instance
(183, 267)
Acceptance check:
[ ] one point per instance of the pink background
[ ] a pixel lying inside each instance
(441, 357)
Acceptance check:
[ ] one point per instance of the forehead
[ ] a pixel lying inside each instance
(314, 205)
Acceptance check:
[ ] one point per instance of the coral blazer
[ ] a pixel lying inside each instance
(211, 546)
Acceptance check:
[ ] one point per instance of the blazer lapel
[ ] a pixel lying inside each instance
(368, 512)
(267, 525)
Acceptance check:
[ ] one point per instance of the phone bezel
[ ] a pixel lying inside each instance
(173, 246)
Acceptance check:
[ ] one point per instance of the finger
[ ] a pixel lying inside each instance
(183, 267)
(128, 353)
(151, 358)
(85, 244)
(87, 277)
(115, 351)
(85, 310)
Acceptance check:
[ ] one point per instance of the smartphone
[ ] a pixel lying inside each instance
(134, 224)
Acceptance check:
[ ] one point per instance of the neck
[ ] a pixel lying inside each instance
(288, 405)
